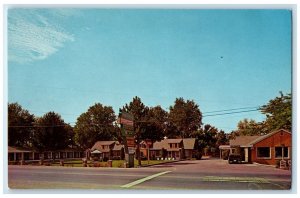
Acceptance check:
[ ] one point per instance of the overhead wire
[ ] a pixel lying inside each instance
(229, 113)
(218, 114)
(257, 107)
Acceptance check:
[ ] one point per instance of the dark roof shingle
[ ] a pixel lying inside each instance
(189, 143)
(17, 150)
(98, 145)
(243, 141)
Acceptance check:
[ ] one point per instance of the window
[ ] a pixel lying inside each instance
(157, 153)
(233, 150)
(278, 152)
(263, 152)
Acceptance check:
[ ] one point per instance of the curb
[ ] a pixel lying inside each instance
(273, 166)
(144, 166)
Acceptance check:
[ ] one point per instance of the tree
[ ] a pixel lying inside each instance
(51, 133)
(209, 137)
(155, 124)
(185, 117)
(278, 116)
(139, 112)
(70, 136)
(95, 124)
(206, 136)
(250, 127)
(20, 126)
(278, 113)
(222, 139)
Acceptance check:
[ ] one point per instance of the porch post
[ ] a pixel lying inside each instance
(180, 154)
(246, 154)
(15, 157)
(148, 154)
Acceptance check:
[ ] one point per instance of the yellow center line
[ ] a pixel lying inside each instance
(144, 179)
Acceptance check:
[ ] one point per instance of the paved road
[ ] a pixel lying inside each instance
(189, 175)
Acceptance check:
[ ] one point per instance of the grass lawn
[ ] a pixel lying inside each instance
(115, 163)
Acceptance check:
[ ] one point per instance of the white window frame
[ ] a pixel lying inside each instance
(288, 157)
(264, 157)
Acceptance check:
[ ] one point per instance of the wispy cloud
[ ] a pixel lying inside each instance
(32, 35)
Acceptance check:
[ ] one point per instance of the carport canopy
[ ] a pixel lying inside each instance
(224, 147)
(96, 151)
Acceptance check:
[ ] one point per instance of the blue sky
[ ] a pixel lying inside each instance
(65, 60)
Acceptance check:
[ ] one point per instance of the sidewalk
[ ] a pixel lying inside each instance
(267, 165)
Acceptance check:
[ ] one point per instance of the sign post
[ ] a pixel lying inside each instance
(126, 122)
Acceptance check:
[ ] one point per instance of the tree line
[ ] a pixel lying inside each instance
(278, 114)
(183, 120)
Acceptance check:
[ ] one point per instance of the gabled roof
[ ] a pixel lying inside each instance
(17, 150)
(105, 142)
(160, 144)
(170, 141)
(189, 143)
(118, 147)
(98, 145)
(268, 135)
(248, 141)
(243, 141)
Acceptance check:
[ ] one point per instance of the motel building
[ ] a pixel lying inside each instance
(22, 155)
(266, 149)
(176, 149)
(111, 150)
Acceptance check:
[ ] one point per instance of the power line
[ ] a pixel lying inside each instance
(20, 126)
(230, 113)
(257, 107)
(203, 113)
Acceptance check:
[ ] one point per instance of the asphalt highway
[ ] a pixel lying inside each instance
(200, 175)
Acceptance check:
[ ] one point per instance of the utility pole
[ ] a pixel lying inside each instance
(126, 124)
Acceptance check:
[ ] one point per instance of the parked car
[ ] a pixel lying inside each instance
(234, 158)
